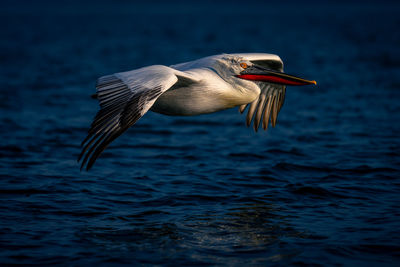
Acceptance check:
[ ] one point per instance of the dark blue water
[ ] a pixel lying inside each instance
(322, 188)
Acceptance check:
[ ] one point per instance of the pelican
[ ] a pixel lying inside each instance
(202, 86)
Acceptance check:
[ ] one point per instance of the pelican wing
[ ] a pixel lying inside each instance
(270, 101)
(266, 107)
(124, 98)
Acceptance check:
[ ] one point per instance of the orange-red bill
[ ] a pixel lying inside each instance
(258, 73)
(279, 78)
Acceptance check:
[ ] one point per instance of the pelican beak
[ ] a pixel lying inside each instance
(257, 73)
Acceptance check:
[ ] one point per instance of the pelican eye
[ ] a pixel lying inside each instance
(243, 65)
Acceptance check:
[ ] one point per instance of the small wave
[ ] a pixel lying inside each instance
(147, 213)
(23, 191)
(246, 155)
(293, 151)
(80, 213)
(313, 191)
(284, 166)
(12, 151)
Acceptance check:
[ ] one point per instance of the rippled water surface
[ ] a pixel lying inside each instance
(323, 187)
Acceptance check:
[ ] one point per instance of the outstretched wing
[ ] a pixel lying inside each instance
(124, 98)
(270, 101)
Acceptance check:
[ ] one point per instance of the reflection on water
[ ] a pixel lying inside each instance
(254, 225)
(253, 230)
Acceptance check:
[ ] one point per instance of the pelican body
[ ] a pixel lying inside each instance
(197, 87)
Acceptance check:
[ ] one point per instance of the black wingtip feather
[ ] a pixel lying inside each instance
(101, 147)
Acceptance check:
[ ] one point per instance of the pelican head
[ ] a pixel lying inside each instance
(242, 68)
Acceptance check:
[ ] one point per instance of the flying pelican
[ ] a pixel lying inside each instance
(202, 86)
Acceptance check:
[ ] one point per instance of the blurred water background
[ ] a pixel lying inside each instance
(322, 188)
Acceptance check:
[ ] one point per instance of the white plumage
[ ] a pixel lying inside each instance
(202, 86)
